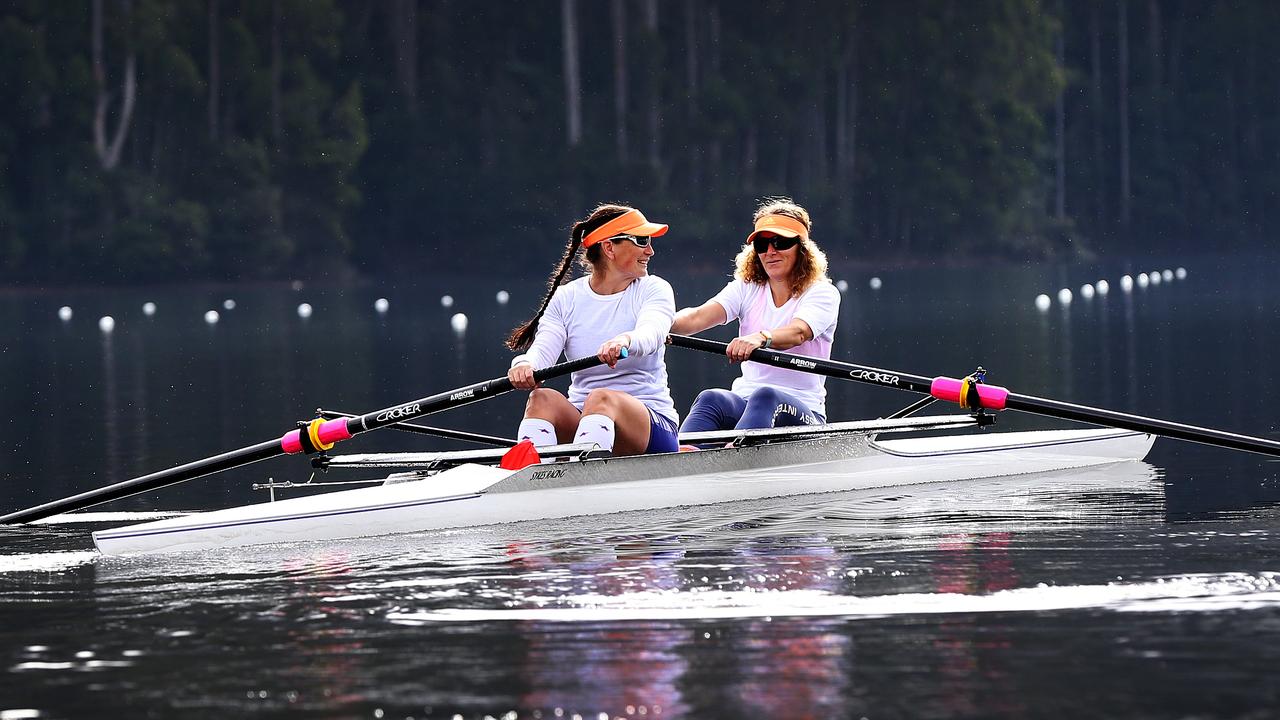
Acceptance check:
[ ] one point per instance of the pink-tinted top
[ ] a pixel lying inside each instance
(752, 306)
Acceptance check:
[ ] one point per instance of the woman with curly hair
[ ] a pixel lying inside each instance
(782, 299)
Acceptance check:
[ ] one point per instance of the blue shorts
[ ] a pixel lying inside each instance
(663, 437)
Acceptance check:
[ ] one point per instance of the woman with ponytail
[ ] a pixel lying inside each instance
(624, 405)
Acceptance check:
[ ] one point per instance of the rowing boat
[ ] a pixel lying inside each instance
(441, 491)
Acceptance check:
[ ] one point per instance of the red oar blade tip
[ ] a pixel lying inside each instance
(319, 435)
(991, 397)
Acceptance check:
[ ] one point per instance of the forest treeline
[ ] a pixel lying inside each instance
(147, 140)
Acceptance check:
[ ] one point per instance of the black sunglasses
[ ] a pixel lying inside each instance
(779, 242)
(640, 240)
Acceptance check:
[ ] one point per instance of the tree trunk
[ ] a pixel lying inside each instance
(1122, 75)
(572, 79)
(691, 58)
(1155, 34)
(109, 153)
(1060, 125)
(654, 115)
(714, 157)
(620, 87)
(1099, 172)
(215, 70)
(694, 172)
(277, 73)
(816, 168)
(404, 34)
(846, 114)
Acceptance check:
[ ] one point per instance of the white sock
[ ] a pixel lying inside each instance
(596, 429)
(540, 431)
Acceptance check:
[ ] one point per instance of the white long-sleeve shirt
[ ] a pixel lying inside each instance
(578, 321)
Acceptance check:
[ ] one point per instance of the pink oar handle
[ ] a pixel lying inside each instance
(991, 397)
(330, 431)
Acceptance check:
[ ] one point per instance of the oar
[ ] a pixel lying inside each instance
(318, 435)
(429, 430)
(974, 394)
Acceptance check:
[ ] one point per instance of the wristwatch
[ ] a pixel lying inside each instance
(768, 338)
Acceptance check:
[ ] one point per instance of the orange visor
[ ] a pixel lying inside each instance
(631, 222)
(779, 225)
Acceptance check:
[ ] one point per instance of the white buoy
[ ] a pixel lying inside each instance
(1126, 283)
(381, 305)
(304, 310)
(106, 323)
(1103, 287)
(64, 313)
(1043, 302)
(1154, 277)
(876, 284)
(458, 322)
(502, 297)
(842, 286)
(1143, 280)
(1086, 291)
(148, 308)
(446, 301)
(1180, 273)
(1064, 296)
(1167, 274)
(228, 304)
(211, 317)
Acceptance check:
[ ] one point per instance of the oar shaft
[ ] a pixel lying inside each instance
(992, 397)
(291, 442)
(1155, 426)
(817, 366)
(430, 430)
(146, 483)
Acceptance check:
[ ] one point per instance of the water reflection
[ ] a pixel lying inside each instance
(809, 607)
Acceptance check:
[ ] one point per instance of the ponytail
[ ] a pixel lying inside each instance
(522, 336)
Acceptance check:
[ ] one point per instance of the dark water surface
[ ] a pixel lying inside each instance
(1141, 590)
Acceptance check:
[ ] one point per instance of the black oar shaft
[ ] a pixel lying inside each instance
(287, 444)
(1155, 426)
(146, 483)
(818, 366)
(1012, 401)
(430, 430)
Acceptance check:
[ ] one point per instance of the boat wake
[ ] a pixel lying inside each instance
(45, 561)
(1176, 594)
(107, 517)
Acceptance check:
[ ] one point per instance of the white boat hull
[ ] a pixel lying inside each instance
(474, 495)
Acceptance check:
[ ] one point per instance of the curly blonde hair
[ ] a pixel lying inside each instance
(811, 262)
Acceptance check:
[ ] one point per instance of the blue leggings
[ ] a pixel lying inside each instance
(767, 407)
